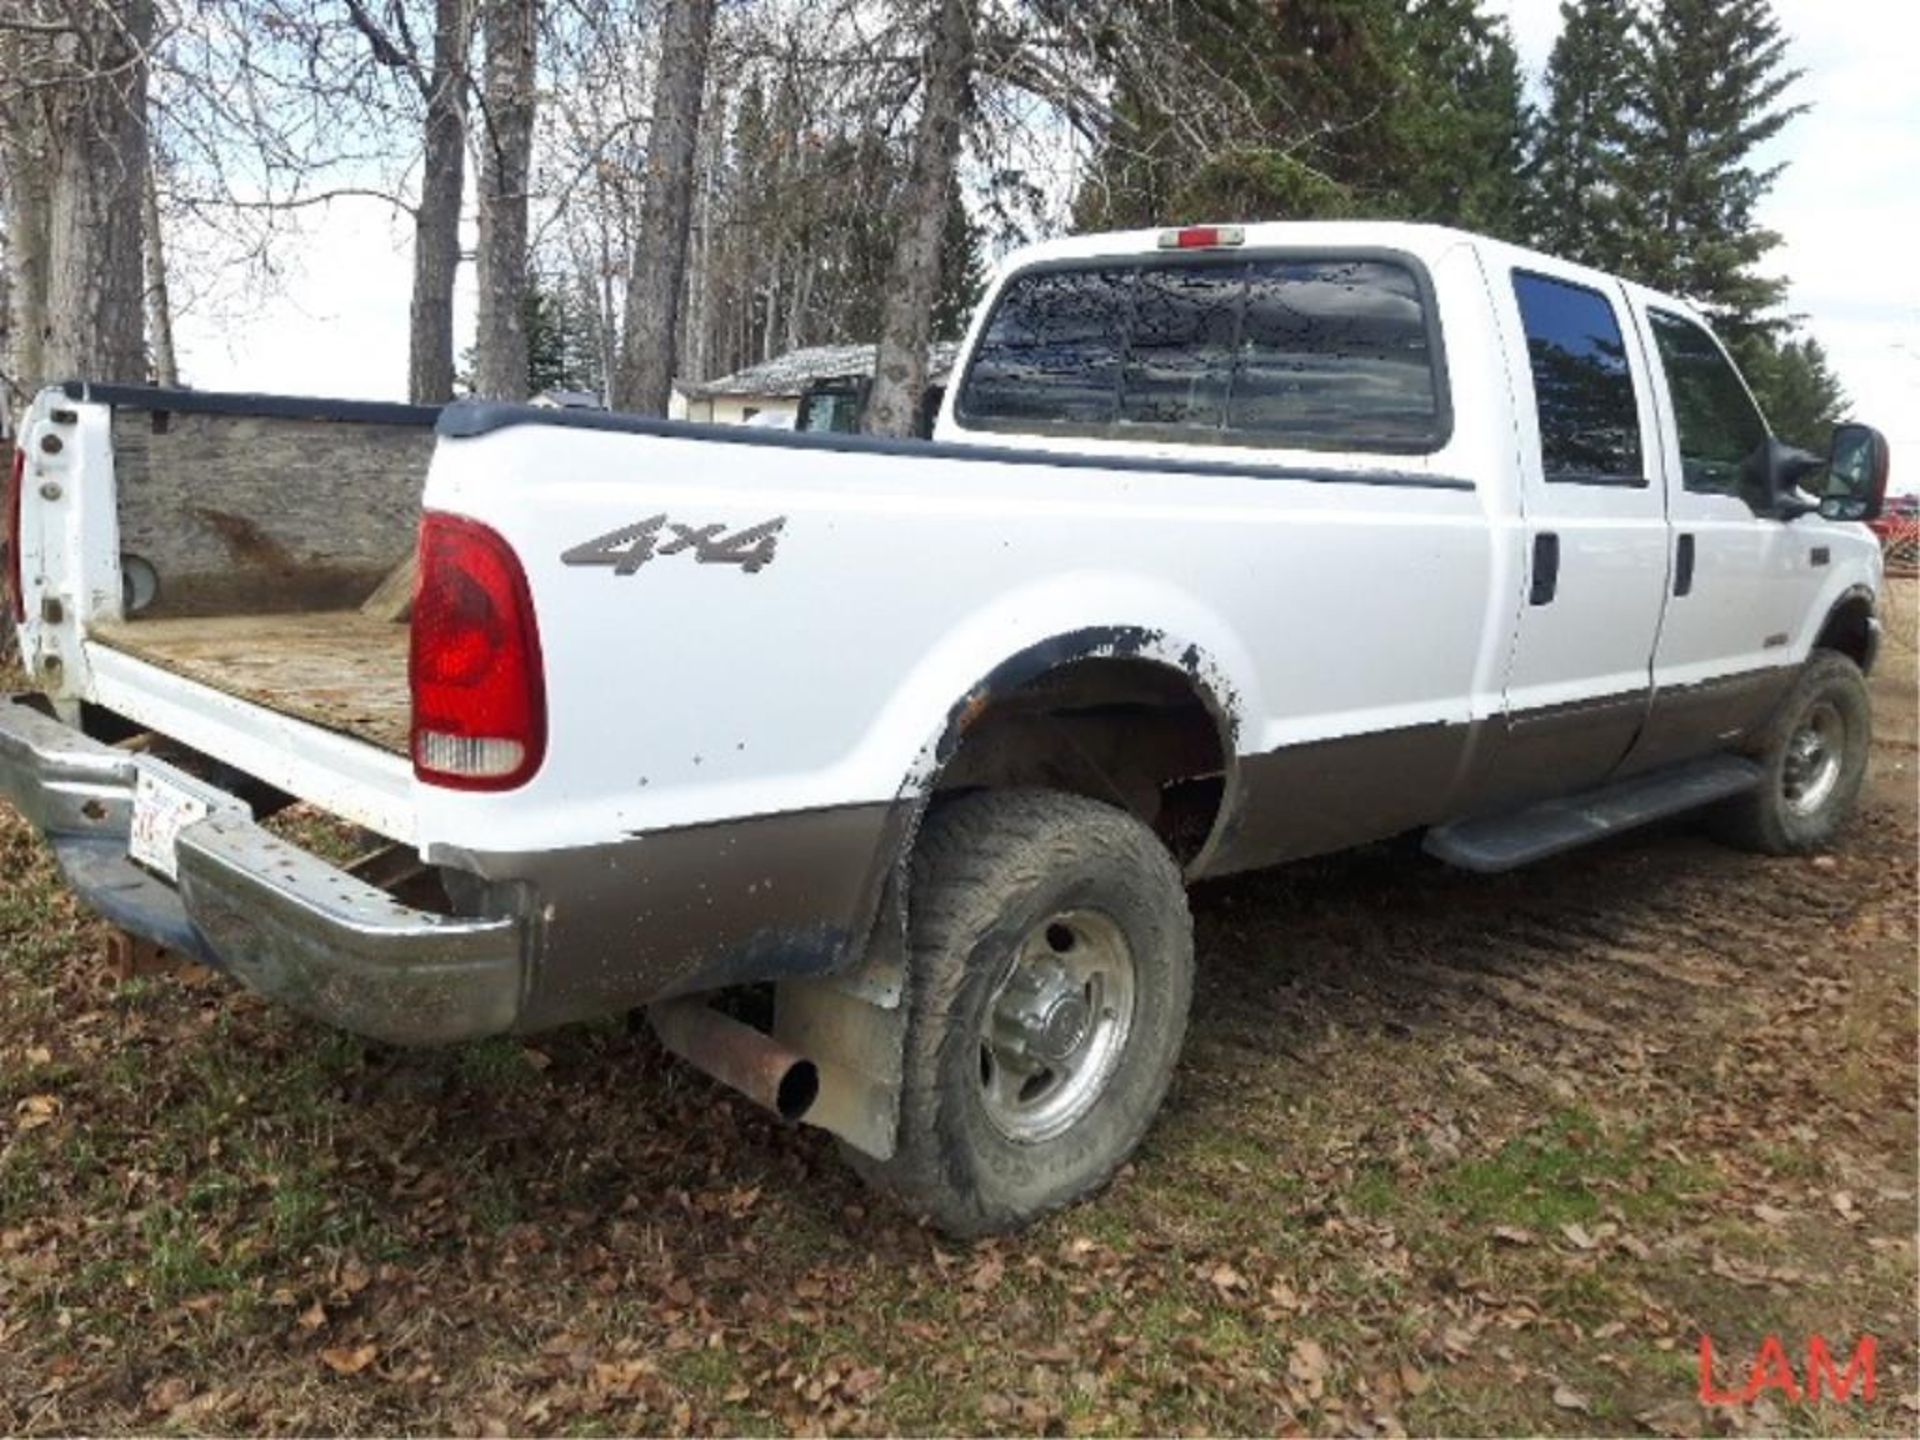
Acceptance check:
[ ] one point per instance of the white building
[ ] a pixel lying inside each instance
(773, 388)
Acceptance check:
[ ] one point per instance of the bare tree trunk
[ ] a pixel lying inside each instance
(29, 209)
(8, 401)
(801, 298)
(500, 359)
(97, 129)
(25, 163)
(436, 225)
(770, 317)
(609, 333)
(913, 279)
(645, 380)
(166, 368)
(697, 350)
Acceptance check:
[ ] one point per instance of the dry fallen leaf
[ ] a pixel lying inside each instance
(1771, 1215)
(37, 1110)
(1513, 1234)
(1677, 1419)
(1226, 1279)
(1577, 1236)
(168, 1395)
(1568, 1398)
(344, 1361)
(313, 1317)
(1308, 1365)
(987, 1273)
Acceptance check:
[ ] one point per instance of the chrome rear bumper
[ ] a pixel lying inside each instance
(284, 922)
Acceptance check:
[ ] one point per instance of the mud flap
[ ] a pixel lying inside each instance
(853, 1027)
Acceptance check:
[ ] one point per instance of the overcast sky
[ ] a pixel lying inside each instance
(1848, 207)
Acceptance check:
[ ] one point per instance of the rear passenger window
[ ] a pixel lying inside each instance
(1582, 387)
(1314, 354)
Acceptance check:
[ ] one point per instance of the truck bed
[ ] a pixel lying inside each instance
(340, 669)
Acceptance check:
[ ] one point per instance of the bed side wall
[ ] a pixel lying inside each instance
(250, 514)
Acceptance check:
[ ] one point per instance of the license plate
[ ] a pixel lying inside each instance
(161, 810)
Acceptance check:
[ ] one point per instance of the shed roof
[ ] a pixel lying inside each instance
(793, 372)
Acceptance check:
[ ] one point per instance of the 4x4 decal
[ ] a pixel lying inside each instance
(632, 546)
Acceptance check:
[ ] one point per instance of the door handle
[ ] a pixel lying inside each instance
(1683, 566)
(1546, 569)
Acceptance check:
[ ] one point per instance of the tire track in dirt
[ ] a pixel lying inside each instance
(1653, 931)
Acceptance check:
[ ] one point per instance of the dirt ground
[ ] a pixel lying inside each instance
(1447, 1154)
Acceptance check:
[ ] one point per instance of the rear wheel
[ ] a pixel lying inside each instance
(1050, 969)
(1814, 758)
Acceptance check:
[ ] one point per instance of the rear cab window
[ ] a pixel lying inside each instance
(1318, 352)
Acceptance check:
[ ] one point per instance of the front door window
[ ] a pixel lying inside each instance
(1722, 435)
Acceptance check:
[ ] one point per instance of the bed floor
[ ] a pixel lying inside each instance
(339, 669)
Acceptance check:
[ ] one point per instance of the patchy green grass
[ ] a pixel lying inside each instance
(1569, 1172)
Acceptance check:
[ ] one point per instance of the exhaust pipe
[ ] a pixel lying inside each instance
(755, 1064)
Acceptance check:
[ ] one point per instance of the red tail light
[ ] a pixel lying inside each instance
(479, 695)
(16, 591)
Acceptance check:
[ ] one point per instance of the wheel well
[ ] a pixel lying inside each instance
(1132, 733)
(1849, 630)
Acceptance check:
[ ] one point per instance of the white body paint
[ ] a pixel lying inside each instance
(686, 693)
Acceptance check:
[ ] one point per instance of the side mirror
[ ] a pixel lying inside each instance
(1782, 467)
(1856, 485)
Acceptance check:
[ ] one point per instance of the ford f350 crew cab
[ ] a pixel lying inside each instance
(1233, 545)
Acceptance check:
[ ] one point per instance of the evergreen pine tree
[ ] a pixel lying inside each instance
(1797, 390)
(1410, 109)
(1709, 92)
(963, 272)
(1459, 120)
(1578, 145)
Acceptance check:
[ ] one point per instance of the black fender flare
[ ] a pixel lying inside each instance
(884, 894)
(1861, 595)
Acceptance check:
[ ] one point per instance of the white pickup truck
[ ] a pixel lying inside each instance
(1233, 545)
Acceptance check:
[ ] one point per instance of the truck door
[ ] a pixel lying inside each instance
(1742, 580)
(1593, 531)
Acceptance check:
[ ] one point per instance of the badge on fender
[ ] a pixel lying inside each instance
(631, 546)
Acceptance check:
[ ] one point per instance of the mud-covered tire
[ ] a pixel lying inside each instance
(990, 871)
(1800, 804)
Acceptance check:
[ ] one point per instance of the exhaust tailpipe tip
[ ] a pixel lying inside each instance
(797, 1090)
(737, 1055)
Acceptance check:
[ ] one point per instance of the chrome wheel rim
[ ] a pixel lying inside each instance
(1056, 1026)
(1811, 769)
